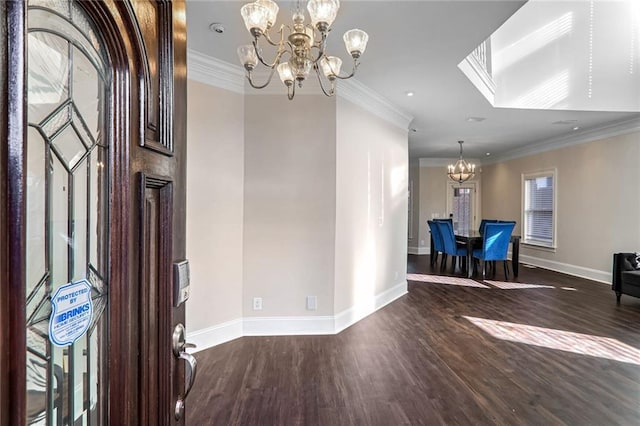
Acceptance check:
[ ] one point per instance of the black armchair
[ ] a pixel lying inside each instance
(626, 278)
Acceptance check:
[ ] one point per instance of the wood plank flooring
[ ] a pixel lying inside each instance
(426, 359)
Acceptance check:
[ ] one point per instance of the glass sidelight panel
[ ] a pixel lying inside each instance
(67, 210)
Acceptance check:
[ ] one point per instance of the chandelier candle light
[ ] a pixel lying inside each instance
(462, 171)
(304, 47)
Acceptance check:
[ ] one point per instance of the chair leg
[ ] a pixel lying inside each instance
(618, 294)
(506, 271)
(454, 260)
(443, 263)
(484, 270)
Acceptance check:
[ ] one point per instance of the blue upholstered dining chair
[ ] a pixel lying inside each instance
(450, 246)
(483, 223)
(437, 241)
(495, 245)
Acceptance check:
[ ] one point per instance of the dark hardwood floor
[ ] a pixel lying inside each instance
(562, 353)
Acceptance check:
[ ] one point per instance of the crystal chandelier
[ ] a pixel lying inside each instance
(462, 171)
(304, 47)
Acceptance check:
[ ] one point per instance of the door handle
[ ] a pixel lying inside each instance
(193, 368)
(179, 346)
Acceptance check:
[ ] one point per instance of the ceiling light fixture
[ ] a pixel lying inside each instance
(462, 171)
(217, 28)
(475, 119)
(410, 94)
(304, 48)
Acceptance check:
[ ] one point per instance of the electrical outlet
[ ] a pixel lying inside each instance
(421, 242)
(312, 303)
(257, 303)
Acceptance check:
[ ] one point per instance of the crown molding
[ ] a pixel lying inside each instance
(214, 72)
(444, 162)
(366, 98)
(603, 132)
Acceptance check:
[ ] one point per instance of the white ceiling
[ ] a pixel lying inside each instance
(416, 46)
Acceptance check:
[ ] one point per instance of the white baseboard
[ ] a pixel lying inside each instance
(565, 268)
(287, 326)
(212, 336)
(418, 250)
(365, 308)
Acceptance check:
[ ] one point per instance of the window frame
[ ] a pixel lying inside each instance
(553, 173)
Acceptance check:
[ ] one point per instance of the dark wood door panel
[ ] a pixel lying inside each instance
(155, 301)
(145, 42)
(154, 37)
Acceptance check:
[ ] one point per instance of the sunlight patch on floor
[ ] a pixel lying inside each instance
(583, 344)
(439, 279)
(515, 286)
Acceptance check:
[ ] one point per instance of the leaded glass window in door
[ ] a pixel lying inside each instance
(67, 209)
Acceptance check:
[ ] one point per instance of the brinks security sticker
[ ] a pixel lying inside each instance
(72, 312)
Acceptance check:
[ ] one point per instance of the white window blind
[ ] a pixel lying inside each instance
(538, 209)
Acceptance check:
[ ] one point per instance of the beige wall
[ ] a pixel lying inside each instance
(414, 209)
(284, 204)
(215, 130)
(289, 215)
(598, 200)
(435, 187)
(371, 207)
(433, 199)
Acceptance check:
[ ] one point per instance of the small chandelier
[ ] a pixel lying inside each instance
(304, 47)
(462, 171)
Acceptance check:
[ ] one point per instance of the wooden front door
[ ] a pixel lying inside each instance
(92, 219)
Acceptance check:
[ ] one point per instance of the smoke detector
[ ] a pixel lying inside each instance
(217, 28)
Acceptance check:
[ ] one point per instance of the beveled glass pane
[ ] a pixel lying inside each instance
(80, 20)
(96, 281)
(99, 306)
(59, 225)
(48, 74)
(36, 297)
(56, 121)
(80, 222)
(59, 6)
(93, 355)
(97, 207)
(79, 377)
(58, 384)
(40, 18)
(36, 190)
(86, 90)
(36, 377)
(79, 124)
(69, 147)
(67, 100)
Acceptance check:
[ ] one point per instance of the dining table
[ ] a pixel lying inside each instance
(473, 239)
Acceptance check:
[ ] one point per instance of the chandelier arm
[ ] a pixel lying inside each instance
(260, 86)
(321, 48)
(353, 71)
(271, 42)
(281, 51)
(333, 88)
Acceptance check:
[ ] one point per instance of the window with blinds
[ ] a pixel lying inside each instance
(538, 214)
